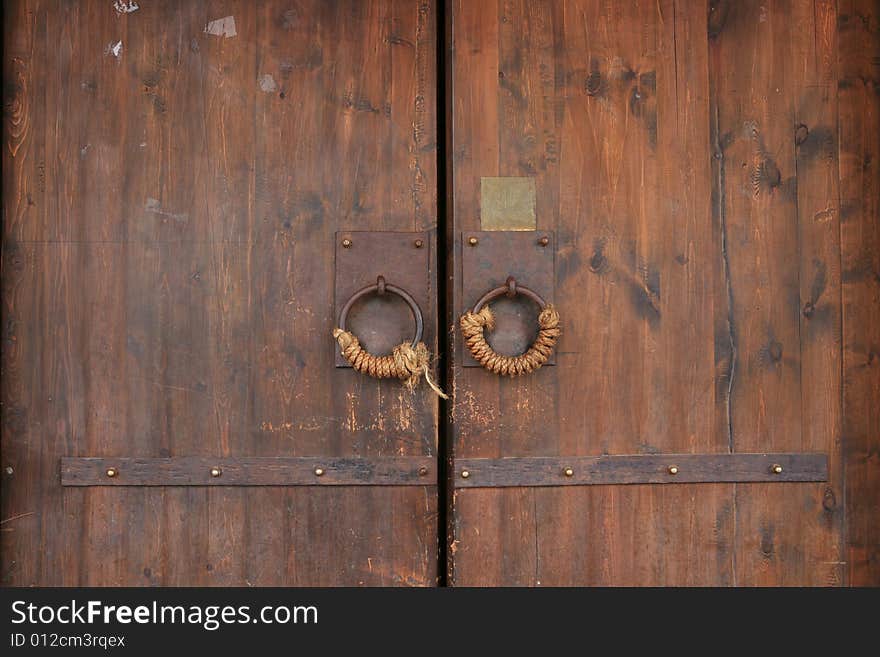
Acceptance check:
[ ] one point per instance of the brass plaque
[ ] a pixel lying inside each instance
(507, 203)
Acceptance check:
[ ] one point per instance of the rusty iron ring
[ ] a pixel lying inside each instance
(381, 288)
(510, 289)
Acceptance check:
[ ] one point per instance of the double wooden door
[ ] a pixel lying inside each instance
(191, 188)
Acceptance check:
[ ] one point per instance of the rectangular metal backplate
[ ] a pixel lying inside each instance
(487, 264)
(382, 323)
(250, 471)
(639, 469)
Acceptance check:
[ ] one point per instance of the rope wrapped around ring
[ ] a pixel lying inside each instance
(472, 325)
(405, 362)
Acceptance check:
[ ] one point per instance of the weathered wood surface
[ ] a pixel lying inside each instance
(858, 66)
(249, 471)
(638, 469)
(169, 216)
(686, 154)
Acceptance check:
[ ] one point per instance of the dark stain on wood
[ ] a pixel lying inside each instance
(598, 262)
(819, 141)
(593, 84)
(718, 11)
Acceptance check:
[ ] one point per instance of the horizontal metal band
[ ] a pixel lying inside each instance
(250, 471)
(639, 469)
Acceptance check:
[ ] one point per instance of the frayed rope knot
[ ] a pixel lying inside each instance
(406, 362)
(472, 325)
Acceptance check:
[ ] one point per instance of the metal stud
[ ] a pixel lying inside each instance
(346, 243)
(423, 471)
(9, 470)
(465, 474)
(419, 244)
(568, 472)
(112, 472)
(673, 469)
(544, 241)
(216, 471)
(473, 241)
(319, 472)
(776, 468)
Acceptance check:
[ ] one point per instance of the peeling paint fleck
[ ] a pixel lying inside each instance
(222, 27)
(267, 83)
(124, 7)
(114, 49)
(155, 206)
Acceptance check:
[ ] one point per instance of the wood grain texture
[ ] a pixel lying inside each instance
(858, 65)
(169, 214)
(248, 471)
(638, 469)
(613, 124)
(763, 65)
(686, 156)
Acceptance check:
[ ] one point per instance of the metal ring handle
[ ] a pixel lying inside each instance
(380, 288)
(511, 288)
(475, 322)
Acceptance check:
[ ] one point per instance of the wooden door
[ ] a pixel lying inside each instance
(174, 177)
(706, 175)
(190, 190)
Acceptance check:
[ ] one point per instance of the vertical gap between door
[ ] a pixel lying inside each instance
(444, 252)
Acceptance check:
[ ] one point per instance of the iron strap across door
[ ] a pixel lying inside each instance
(422, 470)
(250, 471)
(640, 469)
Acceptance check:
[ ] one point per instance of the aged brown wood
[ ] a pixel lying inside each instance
(382, 323)
(170, 204)
(169, 221)
(760, 71)
(858, 57)
(638, 469)
(487, 264)
(686, 155)
(252, 471)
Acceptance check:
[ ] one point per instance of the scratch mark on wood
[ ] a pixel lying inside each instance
(153, 205)
(114, 49)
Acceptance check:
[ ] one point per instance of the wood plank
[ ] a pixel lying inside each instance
(639, 469)
(24, 213)
(858, 24)
(248, 471)
(814, 44)
(758, 91)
